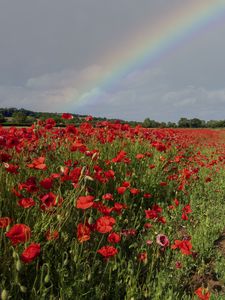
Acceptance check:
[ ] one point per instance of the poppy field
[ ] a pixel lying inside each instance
(111, 212)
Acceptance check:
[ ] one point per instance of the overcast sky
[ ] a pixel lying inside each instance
(52, 56)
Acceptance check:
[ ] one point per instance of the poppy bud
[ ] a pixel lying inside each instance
(4, 295)
(23, 289)
(47, 278)
(18, 265)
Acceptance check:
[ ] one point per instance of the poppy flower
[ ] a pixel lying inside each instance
(113, 237)
(83, 232)
(52, 235)
(185, 246)
(121, 190)
(162, 240)
(107, 196)
(105, 224)
(19, 233)
(202, 293)
(4, 222)
(85, 202)
(30, 253)
(48, 201)
(108, 251)
(26, 202)
(46, 183)
(67, 116)
(38, 163)
(143, 256)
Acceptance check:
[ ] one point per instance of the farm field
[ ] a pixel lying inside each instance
(111, 212)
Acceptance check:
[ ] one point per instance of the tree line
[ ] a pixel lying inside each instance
(15, 116)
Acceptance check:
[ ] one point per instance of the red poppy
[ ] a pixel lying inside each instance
(4, 222)
(67, 116)
(108, 251)
(134, 191)
(19, 233)
(140, 156)
(48, 201)
(38, 164)
(46, 183)
(52, 235)
(202, 293)
(30, 253)
(143, 256)
(185, 246)
(113, 237)
(107, 196)
(11, 168)
(121, 190)
(88, 118)
(85, 202)
(26, 202)
(105, 224)
(83, 232)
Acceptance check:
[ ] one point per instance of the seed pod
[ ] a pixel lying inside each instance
(15, 255)
(18, 265)
(90, 220)
(47, 278)
(4, 294)
(23, 289)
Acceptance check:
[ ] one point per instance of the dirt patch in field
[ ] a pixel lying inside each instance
(220, 243)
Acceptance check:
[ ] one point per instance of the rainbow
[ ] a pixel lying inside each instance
(151, 43)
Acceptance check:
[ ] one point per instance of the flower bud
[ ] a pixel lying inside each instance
(18, 265)
(4, 294)
(23, 289)
(47, 278)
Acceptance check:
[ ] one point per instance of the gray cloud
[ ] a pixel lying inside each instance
(54, 54)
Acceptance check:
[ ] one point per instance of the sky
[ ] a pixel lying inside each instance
(84, 56)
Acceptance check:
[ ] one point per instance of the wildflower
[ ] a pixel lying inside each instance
(38, 164)
(107, 196)
(26, 202)
(30, 253)
(105, 224)
(52, 235)
(113, 237)
(162, 240)
(85, 202)
(185, 246)
(108, 251)
(143, 256)
(19, 233)
(67, 116)
(48, 201)
(134, 191)
(178, 265)
(83, 232)
(121, 190)
(202, 293)
(46, 183)
(4, 222)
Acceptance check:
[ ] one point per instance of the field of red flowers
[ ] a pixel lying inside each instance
(111, 212)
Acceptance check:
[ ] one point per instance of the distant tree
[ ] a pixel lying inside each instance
(19, 117)
(162, 125)
(148, 123)
(171, 125)
(196, 123)
(184, 123)
(2, 118)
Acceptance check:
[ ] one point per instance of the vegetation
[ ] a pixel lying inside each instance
(111, 212)
(23, 117)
